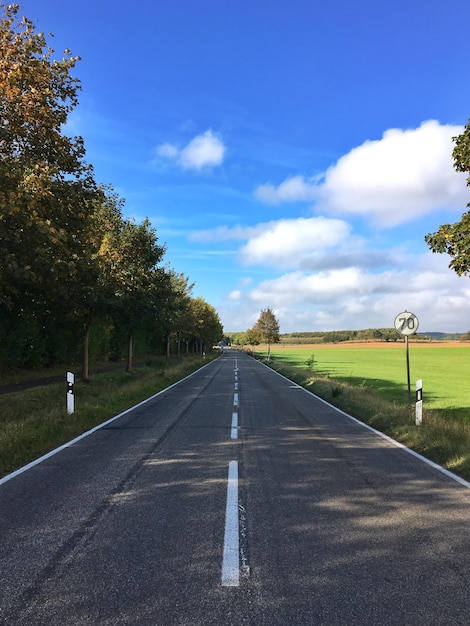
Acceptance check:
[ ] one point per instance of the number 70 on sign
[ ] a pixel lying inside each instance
(406, 323)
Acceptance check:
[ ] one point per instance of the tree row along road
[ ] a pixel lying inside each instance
(234, 497)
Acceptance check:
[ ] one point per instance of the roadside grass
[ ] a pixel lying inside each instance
(352, 385)
(35, 421)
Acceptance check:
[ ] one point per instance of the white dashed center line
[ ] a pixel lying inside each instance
(231, 557)
(234, 431)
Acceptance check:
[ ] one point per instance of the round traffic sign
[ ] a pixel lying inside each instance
(406, 323)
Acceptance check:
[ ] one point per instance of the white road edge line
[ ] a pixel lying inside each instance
(435, 466)
(231, 554)
(29, 466)
(234, 431)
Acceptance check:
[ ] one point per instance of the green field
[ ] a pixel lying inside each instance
(445, 371)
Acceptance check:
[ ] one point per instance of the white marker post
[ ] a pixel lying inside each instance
(419, 402)
(70, 396)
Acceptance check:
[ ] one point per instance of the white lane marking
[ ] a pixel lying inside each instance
(235, 399)
(234, 431)
(231, 556)
(236, 386)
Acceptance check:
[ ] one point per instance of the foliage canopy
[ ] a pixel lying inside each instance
(454, 239)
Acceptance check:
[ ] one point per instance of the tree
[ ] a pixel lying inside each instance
(177, 313)
(44, 180)
(130, 256)
(454, 239)
(94, 295)
(267, 327)
(46, 187)
(206, 326)
(251, 337)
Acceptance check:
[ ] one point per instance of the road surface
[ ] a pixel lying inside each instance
(232, 498)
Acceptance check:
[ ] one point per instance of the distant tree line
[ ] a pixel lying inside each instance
(334, 336)
(337, 336)
(76, 276)
(250, 338)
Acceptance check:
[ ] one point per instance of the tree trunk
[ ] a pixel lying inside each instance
(86, 341)
(129, 352)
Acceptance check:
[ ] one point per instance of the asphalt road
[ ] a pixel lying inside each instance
(232, 498)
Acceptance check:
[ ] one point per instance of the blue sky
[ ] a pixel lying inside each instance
(291, 155)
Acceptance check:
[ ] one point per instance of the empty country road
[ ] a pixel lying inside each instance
(234, 497)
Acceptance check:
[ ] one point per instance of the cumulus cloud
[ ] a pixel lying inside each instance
(358, 298)
(293, 189)
(313, 243)
(406, 174)
(286, 243)
(355, 296)
(300, 287)
(236, 294)
(205, 150)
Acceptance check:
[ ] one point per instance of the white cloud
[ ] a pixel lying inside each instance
(205, 150)
(406, 174)
(355, 298)
(168, 151)
(291, 242)
(295, 189)
(235, 295)
(299, 287)
(224, 233)
(313, 243)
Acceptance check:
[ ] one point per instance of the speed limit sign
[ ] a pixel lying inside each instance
(406, 323)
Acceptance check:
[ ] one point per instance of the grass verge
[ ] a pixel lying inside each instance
(440, 438)
(34, 421)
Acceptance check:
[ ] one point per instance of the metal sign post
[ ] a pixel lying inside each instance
(406, 324)
(407, 348)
